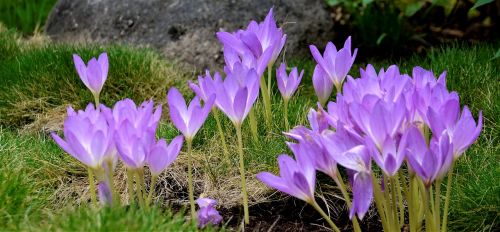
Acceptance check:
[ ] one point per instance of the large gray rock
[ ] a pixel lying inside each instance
(185, 29)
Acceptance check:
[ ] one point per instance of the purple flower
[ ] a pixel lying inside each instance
(323, 86)
(246, 59)
(87, 137)
(297, 177)
(288, 84)
(93, 74)
(135, 129)
(206, 86)
(263, 39)
(104, 192)
(188, 119)
(163, 154)
(346, 151)
(429, 163)
(207, 213)
(335, 64)
(237, 94)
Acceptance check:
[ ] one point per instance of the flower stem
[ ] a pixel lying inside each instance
(388, 206)
(400, 201)
(253, 126)
(221, 134)
(93, 197)
(96, 100)
(394, 203)
(429, 225)
(267, 102)
(437, 205)
(151, 189)
(447, 200)
(139, 188)
(242, 174)
(114, 195)
(269, 77)
(130, 186)
(379, 202)
(323, 214)
(338, 180)
(189, 142)
(287, 126)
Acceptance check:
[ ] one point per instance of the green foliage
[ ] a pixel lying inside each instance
(481, 3)
(25, 15)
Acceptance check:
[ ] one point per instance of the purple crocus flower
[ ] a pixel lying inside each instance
(206, 85)
(429, 163)
(135, 129)
(246, 59)
(237, 94)
(297, 177)
(263, 39)
(335, 64)
(347, 151)
(93, 74)
(188, 119)
(87, 137)
(322, 84)
(288, 84)
(207, 213)
(163, 154)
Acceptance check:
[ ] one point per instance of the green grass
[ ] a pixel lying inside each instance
(37, 178)
(26, 16)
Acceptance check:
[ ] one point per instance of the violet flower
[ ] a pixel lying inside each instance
(87, 137)
(105, 193)
(322, 84)
(429, 163)
(206, 86)
(207, 214)
(237, 94)
(288, 84)
(163, 154)
(93, 74)
(188, 119)
(335, 64)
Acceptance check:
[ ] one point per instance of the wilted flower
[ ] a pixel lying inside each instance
(188, 119)
(288, 84)
(207, 213)
(93, 74)
(335, 64)
(163, 154)
(237, 94)
(87, 137)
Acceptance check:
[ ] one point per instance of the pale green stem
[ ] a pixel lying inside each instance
(437, 205)
(388, 205)
(151, 189)
(130, 186)
(379, 202)
(400, 201)
(189, 142)
(221, 134)
(287, 126)
(323, 214)
(269, 77)
(338, 180)
(429, 225)
(93, 197)
(444, 227)
(139, 188)
(242, 173)
(267, 102)
(411, 206)
(394, 203)
(96, 100)
(253, 126)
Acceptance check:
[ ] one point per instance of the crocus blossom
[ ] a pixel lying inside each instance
(336, 64)
(188, 119)
(207, 214)
(323, 86)
(237, 94)
(163, 154)
(93, 74)
(206, 86)
(87, 137)
(297, 177)
(288, 84)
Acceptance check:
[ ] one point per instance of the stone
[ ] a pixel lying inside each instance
(185, 30)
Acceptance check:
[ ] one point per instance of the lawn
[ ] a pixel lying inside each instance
(42, 188)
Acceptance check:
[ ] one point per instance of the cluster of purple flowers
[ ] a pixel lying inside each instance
(388, 117)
